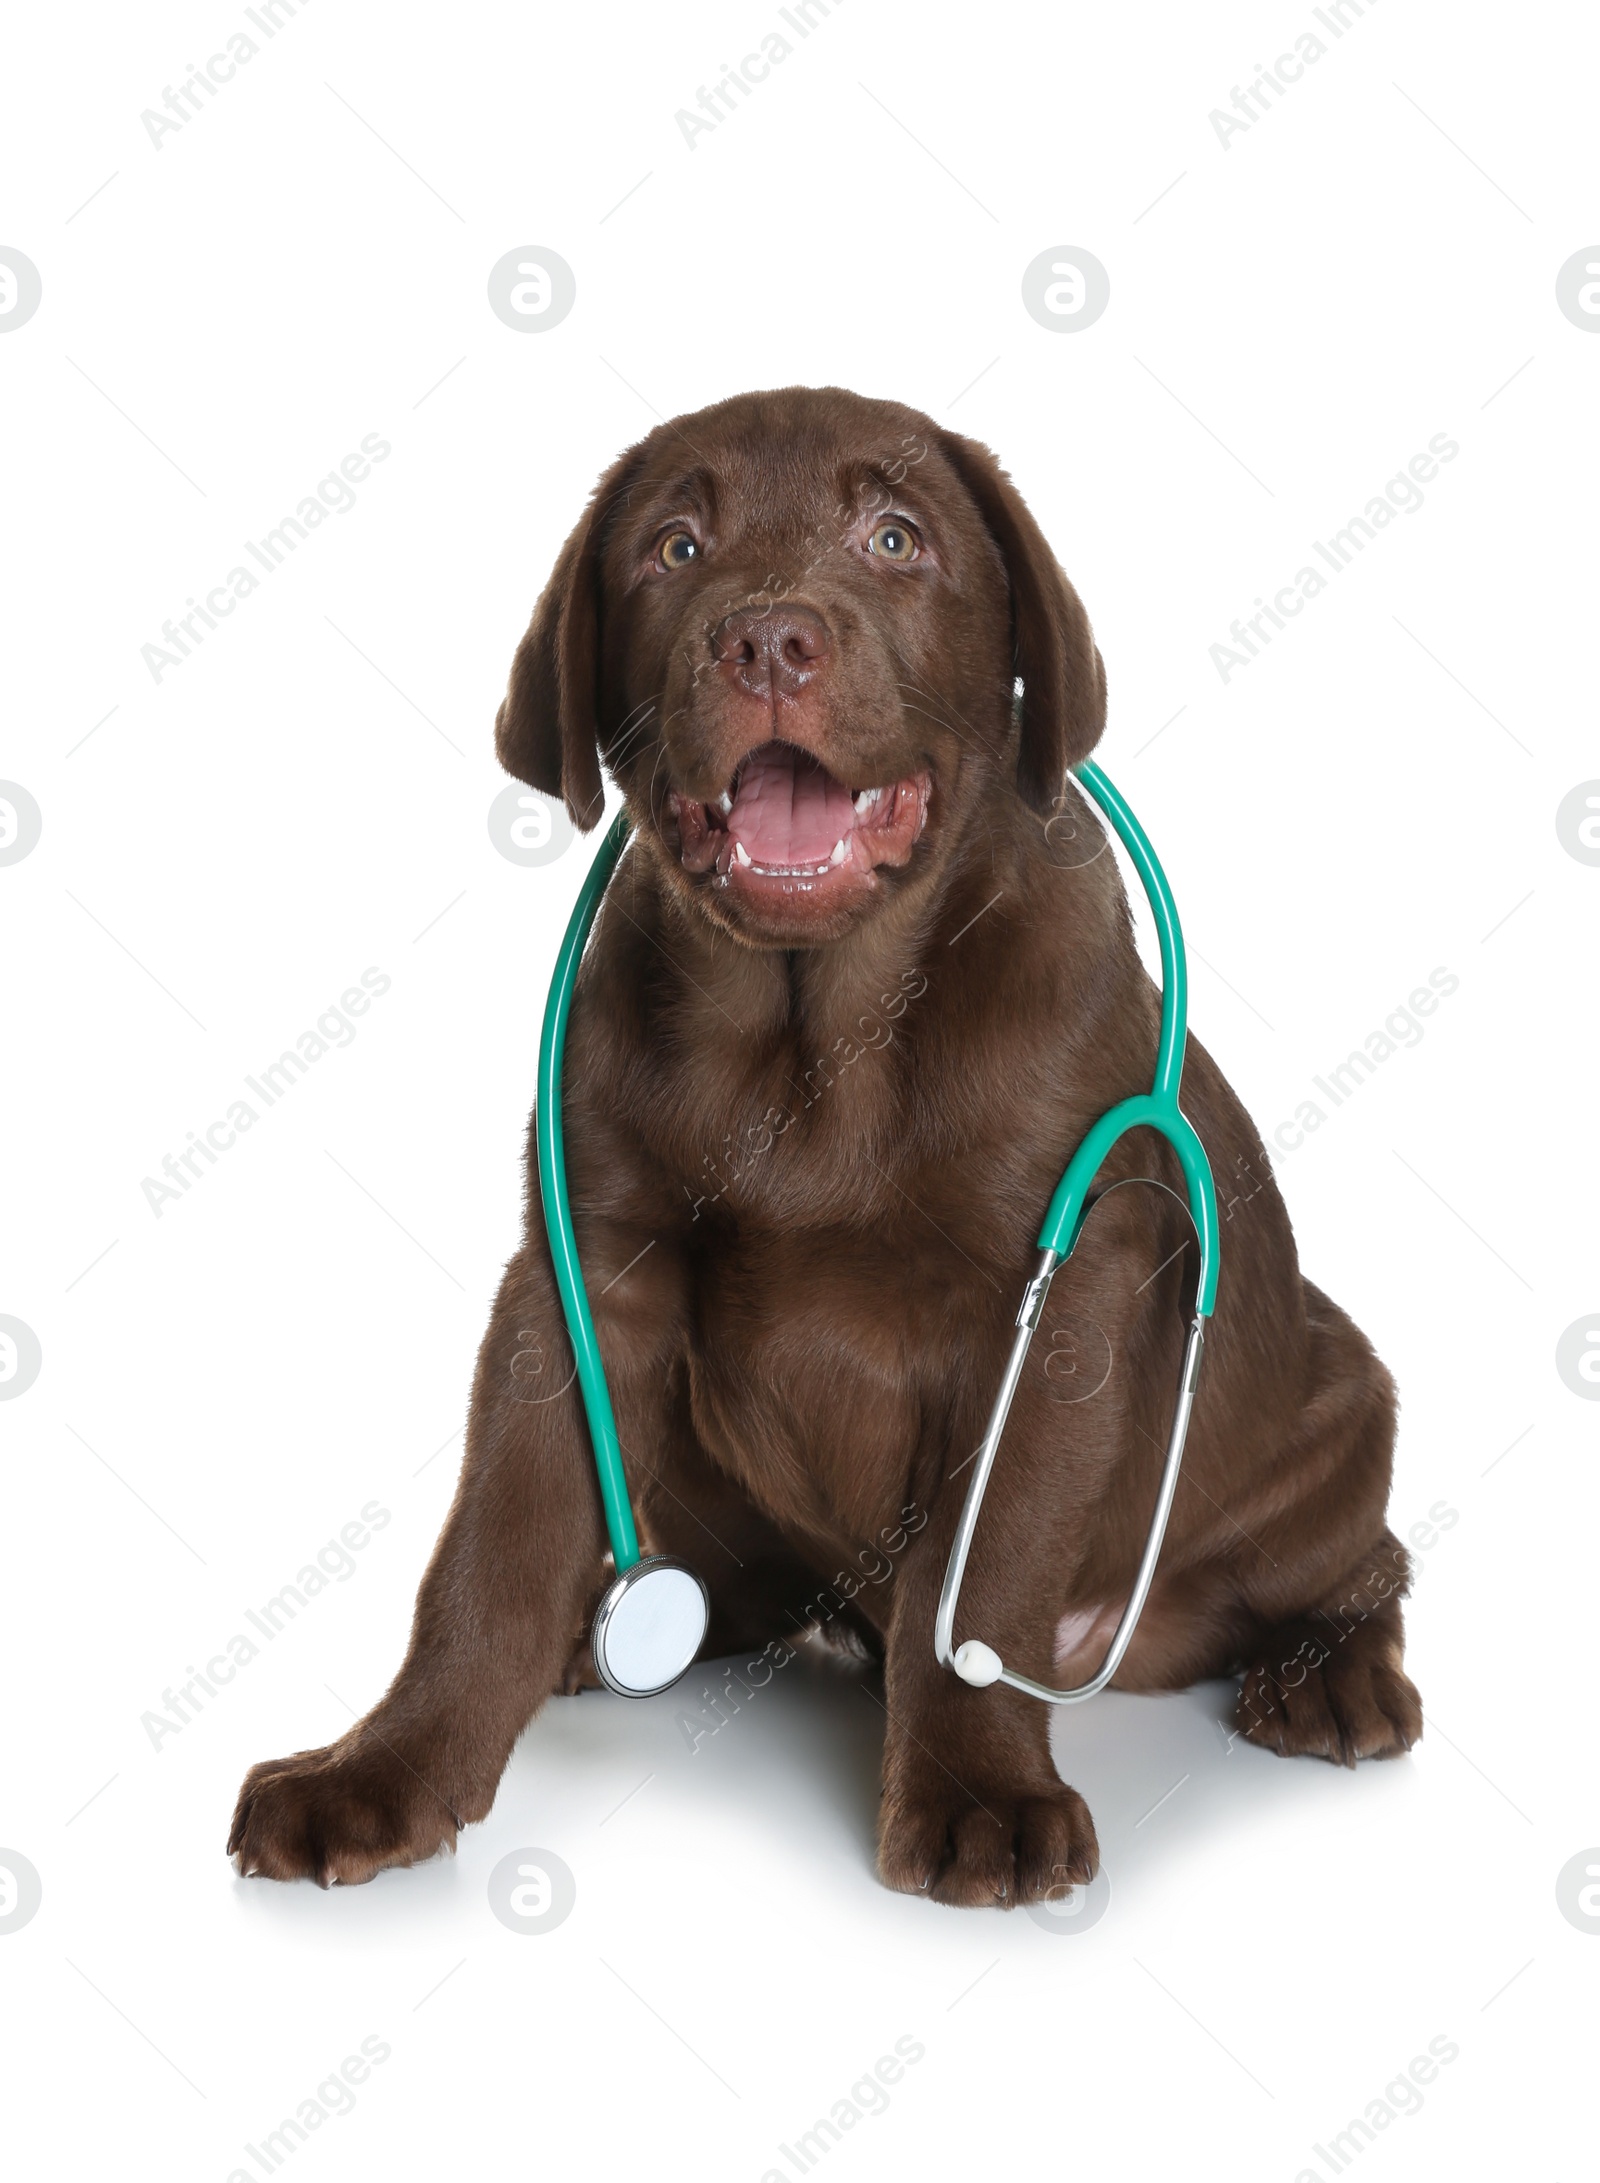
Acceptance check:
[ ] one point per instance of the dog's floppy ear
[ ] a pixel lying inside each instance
(547, 730)
(1063, 678)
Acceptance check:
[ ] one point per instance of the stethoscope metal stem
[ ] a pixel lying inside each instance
(1028, 1317)
(978, 1663)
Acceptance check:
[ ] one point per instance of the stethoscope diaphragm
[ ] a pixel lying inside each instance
(649, 1627)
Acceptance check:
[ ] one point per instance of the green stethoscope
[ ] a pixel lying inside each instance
(653, 1619)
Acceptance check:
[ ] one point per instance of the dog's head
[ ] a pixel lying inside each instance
(793, 625)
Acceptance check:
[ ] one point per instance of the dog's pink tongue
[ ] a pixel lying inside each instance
(789, 809)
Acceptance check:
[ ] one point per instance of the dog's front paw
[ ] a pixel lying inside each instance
(340, 1814)
(989, 1852)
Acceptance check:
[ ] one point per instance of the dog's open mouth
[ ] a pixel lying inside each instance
(786, 824)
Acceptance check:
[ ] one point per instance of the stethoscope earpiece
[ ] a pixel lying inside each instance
(978, 1664)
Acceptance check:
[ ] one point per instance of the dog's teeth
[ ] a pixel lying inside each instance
(741, 853)
(724, 803)
(865, 798)
(838, 853)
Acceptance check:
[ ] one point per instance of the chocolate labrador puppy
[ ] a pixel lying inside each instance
(864, 978)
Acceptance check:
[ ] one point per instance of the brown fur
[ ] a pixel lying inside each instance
(820, 1143)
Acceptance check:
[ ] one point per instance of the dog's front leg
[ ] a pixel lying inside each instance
(517, 1563)
(973, 1810)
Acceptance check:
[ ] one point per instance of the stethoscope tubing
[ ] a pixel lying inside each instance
(551, 1148)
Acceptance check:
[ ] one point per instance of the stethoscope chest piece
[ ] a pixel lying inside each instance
(649, 1627)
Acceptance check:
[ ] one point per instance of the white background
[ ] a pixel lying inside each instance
(1292, 318)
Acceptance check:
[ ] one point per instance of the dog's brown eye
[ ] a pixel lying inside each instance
(677, 551)
(893, 541)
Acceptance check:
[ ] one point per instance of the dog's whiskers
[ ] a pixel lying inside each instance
(940, 716)
(645, 705)
(632, 730)
(923, 714)
(650, 792)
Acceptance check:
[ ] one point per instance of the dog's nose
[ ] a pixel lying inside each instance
(776, 652)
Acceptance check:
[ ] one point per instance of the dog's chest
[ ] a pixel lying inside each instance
(813, 1378)
(839, 1287)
